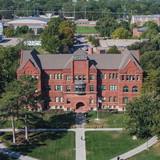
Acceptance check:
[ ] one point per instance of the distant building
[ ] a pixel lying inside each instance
(141, 19)
(119, 43)
(137, 32)
(85, 22)
(82, 82)
(34, 23)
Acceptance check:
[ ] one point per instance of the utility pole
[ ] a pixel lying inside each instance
(85, 16)
(74, 11)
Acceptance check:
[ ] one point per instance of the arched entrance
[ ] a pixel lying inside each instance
(80, 107)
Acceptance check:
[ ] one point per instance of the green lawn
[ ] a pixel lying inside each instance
(114, 120)
(50, 146)
(106, 145)
(85, 30)
(152, 154)
(59, 119)
(48, 119)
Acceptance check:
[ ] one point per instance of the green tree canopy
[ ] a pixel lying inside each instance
(105, 26)
(8, 65)
(121, 33)
(58, 35)
(143, 116)
(113, 50)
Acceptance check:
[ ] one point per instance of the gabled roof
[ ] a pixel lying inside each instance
(62, 61)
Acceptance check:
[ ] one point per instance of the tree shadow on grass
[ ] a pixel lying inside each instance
(36, 140)
(57, 120)
(48, 119)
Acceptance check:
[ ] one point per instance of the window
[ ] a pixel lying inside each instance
(112, 87)
(125, 100)
(102, 76)
(137, 77)
(58, 76)
(114, 99)
(91, 87)
(83, 77)
(68, 88)
(113, 75)
(103, 99)
(59, 99)
(68, 77)
(76, 77)
(50, 76)
(134, 89)
(123, 77)
(125, 89)
(91, 101)
(79, 77)
(91, 77)
(110, 99)
(102, 87)
(58, 88)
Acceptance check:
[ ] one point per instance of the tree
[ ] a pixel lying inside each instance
(93, 40)
(105, 26)
(22, 30)
(8, 65)
(66, 31)
(149, 34)
(151, 25)
(150, 60)
(143, 116)
(9, 105)
(29, 101)
(58, 35)
(152, 82)
(113, 50)
(121, 33)
(20, 101)
(9, 32)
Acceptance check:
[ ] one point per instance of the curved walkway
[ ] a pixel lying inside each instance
(138, 149)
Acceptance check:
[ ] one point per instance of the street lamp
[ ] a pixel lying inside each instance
(98, 102)
(27, 1)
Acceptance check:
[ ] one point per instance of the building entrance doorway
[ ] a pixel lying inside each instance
(80, 107)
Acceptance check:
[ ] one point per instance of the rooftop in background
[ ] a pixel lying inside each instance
(29, 20)
(141, 19)
(120, 43)
(10, 42)
(85, 22)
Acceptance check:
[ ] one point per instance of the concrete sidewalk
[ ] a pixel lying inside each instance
(138, 149)
(12, 154)
(80, 144)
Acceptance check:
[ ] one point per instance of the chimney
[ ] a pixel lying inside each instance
(90, 50)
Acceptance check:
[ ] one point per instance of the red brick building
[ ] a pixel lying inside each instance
(82, 82)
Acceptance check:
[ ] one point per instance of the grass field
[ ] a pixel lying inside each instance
(49, 146)
(48, 119)
(85, 30)
(152, 154)
(114, 120)
(106, 145)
